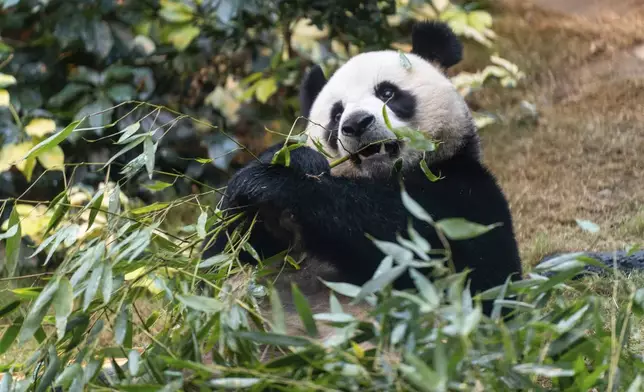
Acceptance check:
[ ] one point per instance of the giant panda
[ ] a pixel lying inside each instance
(324, 215)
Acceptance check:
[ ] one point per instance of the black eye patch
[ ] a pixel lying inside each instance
(401, 102)
(331, 132)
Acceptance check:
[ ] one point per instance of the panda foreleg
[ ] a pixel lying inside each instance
(334, 214)
(269, 234)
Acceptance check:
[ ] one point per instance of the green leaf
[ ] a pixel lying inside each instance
(636, 385)
(114, 206)
(398, 333)
(426, 288)
(183, 36)
(346, 289)
(10, 335)
(92, 286)
(63, 305)
(68, 375)
(107, 283)
(418, 240)
(334, 304)
(561, 263)
(277, 312)
(95, 205)
(12, 246)
(151, 208)
(273, 339)
(543, 370)
(282, 157)
(234, 383)
(265, 88)
(68, 235)
(304, 310)
(6, 385)
(128, 132)
(157, 186)
(10, 307)
(201, 224)
(421, 375)
(385, 115)
(394, 250)
(428, 173)
(638, 301)
(133, 362)
(59, 213)
(404, 61)
(414, 208)
(149, 148)
(38, 311)
(588, 226)
(51, 141)
(471, 321)
(201, 303)
(379, 282)
(215, 260)
(462, 229)
(7, 80)
(334, 317)
(9, 233)
(121, 325)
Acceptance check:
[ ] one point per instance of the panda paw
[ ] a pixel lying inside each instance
(303, 160)
(274, 184)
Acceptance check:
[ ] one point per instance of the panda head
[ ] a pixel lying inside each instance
(345, 112)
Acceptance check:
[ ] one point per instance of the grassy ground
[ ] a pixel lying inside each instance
(582, 159)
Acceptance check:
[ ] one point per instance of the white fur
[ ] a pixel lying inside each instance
(440, 109)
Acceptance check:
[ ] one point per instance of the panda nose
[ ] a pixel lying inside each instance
(357, 123)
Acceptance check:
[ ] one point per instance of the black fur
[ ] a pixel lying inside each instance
(312, 84)
(436, 42)
(334, 213)
(403, 102)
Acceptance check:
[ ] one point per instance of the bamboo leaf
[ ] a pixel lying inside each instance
(63, 304)
(462, 229)
(51, 141)
(304, 310)
(200, 303)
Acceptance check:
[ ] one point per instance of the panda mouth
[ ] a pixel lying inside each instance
(385, 148)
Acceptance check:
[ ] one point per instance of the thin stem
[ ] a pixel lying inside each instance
(15, 115)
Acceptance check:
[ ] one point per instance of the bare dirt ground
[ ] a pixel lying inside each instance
(584, 156)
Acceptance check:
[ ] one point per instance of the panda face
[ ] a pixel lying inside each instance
(346, 112)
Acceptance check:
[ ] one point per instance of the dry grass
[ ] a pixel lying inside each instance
(583, 158)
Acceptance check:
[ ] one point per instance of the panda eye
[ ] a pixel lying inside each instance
(387, 93)
(336, 112)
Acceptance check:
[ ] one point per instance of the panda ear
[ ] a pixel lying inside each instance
(436, 42)
(311, 86)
